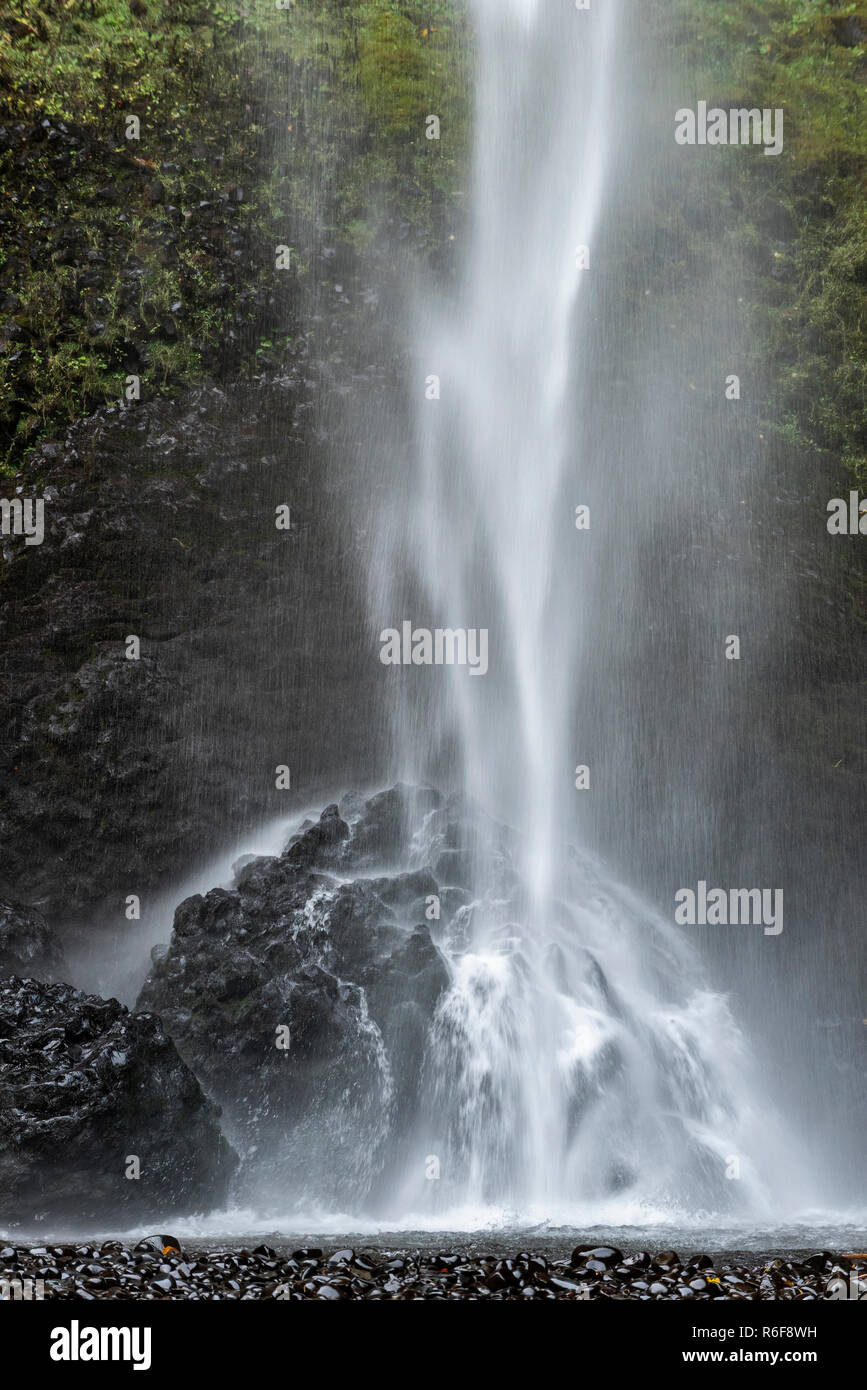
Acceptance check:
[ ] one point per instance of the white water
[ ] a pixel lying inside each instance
(578, 1063)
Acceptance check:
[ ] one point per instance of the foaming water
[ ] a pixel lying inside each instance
(578, 1066)
(625, 1227)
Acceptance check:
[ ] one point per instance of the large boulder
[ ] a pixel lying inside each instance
(85, 1086)
(303, 1000)
(28, 946)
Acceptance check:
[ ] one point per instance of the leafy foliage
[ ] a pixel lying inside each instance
(809, 294)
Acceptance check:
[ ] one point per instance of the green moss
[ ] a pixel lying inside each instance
(392, 72)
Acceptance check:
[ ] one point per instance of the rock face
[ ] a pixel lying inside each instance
(126, 771)
(84, 1085)
(303, 1001)
(28, 946)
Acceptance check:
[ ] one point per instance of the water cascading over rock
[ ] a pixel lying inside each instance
(543, 1069)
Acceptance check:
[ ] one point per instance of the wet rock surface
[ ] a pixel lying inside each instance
(28, 946)
(84, 1087)
(314, 1003)
(302, 1000)
(160, 523)
(161, 1267)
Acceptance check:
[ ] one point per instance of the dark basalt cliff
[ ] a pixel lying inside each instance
(161, 524)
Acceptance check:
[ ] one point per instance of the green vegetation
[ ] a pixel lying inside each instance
(257, 127)
(803, 216)
(262, 126)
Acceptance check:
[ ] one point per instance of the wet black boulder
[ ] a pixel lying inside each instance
(303, 1000)
(85, 1086)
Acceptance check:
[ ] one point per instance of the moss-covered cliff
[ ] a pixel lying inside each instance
(154, 155)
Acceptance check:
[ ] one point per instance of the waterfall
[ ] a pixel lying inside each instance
(436, 669)
(577, 1063)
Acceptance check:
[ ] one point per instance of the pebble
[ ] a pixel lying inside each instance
(157, 1267)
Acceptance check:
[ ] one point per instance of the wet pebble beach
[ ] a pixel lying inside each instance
(159, 1268)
